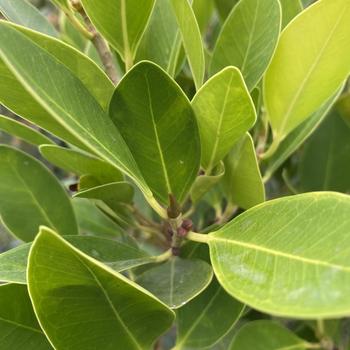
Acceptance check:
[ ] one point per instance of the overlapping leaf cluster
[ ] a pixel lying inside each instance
(213, 102)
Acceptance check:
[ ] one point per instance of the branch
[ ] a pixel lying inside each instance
(100, 44)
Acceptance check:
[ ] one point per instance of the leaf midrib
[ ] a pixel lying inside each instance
(110, 303)
(21, 326)
(211, 239)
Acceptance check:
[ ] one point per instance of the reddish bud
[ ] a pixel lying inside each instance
(181, 232)
(187, 225)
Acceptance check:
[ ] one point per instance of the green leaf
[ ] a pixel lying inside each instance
(287, 257)
(22, 131)
(121, 22)
(20, 100)
(159, 42)
(266, 335)
(156, 121)
(325, 160)
(92, 221)
(308, 66)
(191, 38)
(242, 181)
(177, 281)
(31, 196)
(297, 137)
(114, 192)
(248, 39)
(96, 306)
(24, 13)
(19, 328)
(204, 183)
(118, 255)
(290, 8)
(224, 111)
(203, 10)
(67, 100)
(81, 163)
(63, 4)
(207, 318)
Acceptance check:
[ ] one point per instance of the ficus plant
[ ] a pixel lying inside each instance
(176, 176)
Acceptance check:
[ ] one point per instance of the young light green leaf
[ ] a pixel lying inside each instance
(114, 192)
(225, 112)
(25, 201)
(22, 131)
(19, 328)
(290, 8)
(248, 39)
(177, 281)
(121, 22)
(157, 44)
(67, 100)
(203, 10)
(96, 306)
(191, 39)
(207, 318)
(118, 255)
(242, 182)
(325, 160)
(81, 163)
(204, 183)
(308, 66)
(297, 137)
(157, 123)
(266, 335)
(24, 13)
(274, 256)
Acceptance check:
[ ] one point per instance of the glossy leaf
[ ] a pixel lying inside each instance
(325, 160)
(113, 312)
(159, 42)
(22, 131)
(19, 328)
(81, 163)
(248, 39)
(157, 123)
(224, 111)
(242, 181)
(191, 39)
(118, 255)
(308, 66)
(24, 184)
(297, 137)
(207, 318)
(290, 9)
(65, 97)
(20, 100)
(24, 13)
(266, 335)
(112, 192)
(121, 22)
(274, 256)
(177, 281)
(204, 183)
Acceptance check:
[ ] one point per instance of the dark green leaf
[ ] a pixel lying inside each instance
(207, 318)
(90, 306)
(177, 281)
(156, 121)
(19, 328)
(266, 335)
(31, 196)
